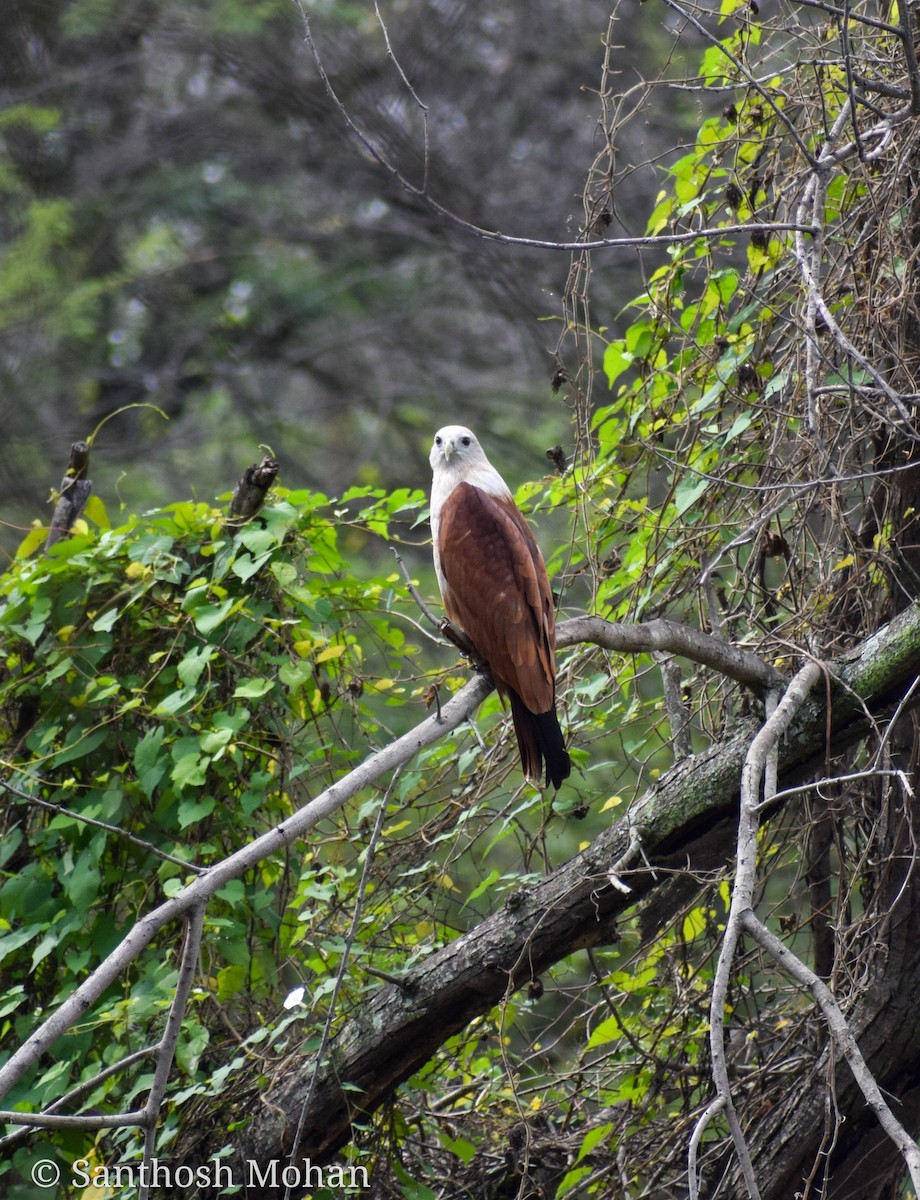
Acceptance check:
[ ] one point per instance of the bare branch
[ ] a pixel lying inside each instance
(166, 1048)
(672, 638)
(678, 714)
(779, 717)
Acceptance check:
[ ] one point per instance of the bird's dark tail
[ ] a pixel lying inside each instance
(539, 740)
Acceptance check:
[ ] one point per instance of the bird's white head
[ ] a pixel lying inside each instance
(457, 457)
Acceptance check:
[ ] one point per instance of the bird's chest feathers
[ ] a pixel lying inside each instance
(485, 549)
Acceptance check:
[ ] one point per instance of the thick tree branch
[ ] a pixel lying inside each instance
(672, 638)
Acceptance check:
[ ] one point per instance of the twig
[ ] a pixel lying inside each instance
(816, 784)
(426, 161)
(29, 1121)
(343, 962)
(906, 33)
(149, 847)
(630, 854)
(443, 625)
(672, 638)
(166, 1050)
(678, 716)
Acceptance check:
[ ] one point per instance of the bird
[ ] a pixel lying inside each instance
(494, 587)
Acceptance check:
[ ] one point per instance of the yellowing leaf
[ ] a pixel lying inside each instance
(391, 829)
(379, 685)
(694, 924)
(330, 652)
(31, 541)
(95, 510)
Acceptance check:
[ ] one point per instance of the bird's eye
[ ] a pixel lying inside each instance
(437, 440)
(466, 441)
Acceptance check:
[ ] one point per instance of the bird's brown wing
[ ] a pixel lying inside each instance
(498, 593)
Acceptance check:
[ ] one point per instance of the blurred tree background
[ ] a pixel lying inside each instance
(188, 224)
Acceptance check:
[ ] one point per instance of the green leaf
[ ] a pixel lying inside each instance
(609, 1030)
(190, 771)
(593, 1138)
(207, 617)
(11, 942)
(81, 744)
(694, 923)
(570, 1179)
(82, 883)
(148, 762)
(687, 492)
(245, 567)
(192, 811)
(94, 510)
(193, 664)
(213, 743)
(252, 689)
(44, 948)
(616, 361)
(30, 543)
(175, 702)
(105, 623)
(459, 1146)
(231, 980)
(481, 887)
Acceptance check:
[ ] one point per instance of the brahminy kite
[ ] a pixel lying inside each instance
(494, 587)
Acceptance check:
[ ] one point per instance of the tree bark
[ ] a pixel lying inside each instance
(74, 492)
(250, 492)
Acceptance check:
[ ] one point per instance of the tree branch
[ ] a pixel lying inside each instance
(672, 638)
(779, 717)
